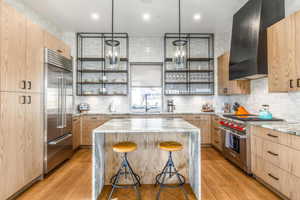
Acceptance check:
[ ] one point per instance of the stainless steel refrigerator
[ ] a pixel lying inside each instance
(58, 109)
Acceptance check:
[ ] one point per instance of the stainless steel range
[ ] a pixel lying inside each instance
(236, 134)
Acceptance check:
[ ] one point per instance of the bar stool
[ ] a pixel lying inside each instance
(169, 170)
(125, 169)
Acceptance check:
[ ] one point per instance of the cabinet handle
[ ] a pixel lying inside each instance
(273, 154)
(273, 177)
(298, 82)
(273, 136)
(29, 85)
(225, 90)
(29, 99)
(23, 84)
(291, 84)
(23, 99)
(217, 142)
(59, 51)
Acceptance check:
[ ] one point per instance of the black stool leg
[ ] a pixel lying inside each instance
(127, 170)
(168, 170)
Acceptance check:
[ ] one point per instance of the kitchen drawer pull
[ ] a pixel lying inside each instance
(217, 142)
(273, 136)
(29, 99)
(23, 84)
(93, 117)
(273, 154)
(274, 177)
(298, 82)
(59, 51)
(29, 85)
(23, 99)
(291, 84)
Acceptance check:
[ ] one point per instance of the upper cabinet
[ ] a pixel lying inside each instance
(225, 86)
(284, 55)
(53, 43)
(12, 50)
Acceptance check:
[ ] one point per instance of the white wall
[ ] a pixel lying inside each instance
(285, 105)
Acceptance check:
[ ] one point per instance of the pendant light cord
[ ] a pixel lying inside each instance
(112, 19)
(179, 20)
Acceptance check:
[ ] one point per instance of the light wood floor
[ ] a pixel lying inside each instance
(220, 181)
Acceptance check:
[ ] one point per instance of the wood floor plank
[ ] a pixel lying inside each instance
(220, 181)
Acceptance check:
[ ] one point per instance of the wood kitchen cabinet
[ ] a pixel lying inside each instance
(77, 130)
(12, 49)
(275, 159)
(88, 124)
(55, 44)
(21, 141)
(21, 52)
(204, 123)
(216, 136)
(225, 86)
(284, 55)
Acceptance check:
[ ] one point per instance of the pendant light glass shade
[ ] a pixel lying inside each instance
(180, 53)
(112, 53)
(112, 46)
(180, 45)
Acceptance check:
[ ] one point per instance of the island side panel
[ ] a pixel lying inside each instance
(195, 162)
(148, 160)
(98, 164)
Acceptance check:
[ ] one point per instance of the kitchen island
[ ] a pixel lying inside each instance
(148, 160)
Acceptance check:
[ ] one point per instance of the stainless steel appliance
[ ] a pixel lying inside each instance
(58, 109)
(171, 105)
(235, 131)
(83, 107)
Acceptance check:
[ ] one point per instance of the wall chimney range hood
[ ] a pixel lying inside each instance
(248, 53)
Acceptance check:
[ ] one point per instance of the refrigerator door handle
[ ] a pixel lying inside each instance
(65, 103)
(59, 119)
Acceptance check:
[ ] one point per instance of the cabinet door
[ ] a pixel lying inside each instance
(223, 74)
(12, 143)
(13, 50)
(76, 132)
(53, 43)
(33, 138)
(227, 87)
(89, 124)
(281, 55)
(295, 73)
(205, 126)
(34, 57)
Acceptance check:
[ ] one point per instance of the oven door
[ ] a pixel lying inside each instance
(235, 147)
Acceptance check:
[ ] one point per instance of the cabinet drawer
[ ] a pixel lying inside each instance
(271, 135)
(279, 179)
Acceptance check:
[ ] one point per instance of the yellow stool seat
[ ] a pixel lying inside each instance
(125, 147)
(171, 146)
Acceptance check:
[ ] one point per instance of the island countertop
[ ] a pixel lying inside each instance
(156, 125)
(147, 133)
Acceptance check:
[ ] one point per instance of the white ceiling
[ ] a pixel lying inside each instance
(74, 15)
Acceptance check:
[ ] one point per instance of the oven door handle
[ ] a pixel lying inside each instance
(233, 133)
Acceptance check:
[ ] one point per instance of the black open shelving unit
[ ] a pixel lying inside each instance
(93, 77)
(197, 77)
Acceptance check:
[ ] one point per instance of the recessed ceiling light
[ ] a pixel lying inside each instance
(146, 16)
(197, 17)
(95, 16)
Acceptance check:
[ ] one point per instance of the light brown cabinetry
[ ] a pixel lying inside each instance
(225, 86)
(53, 43)
(88, 124)
(216, 136)
(21, 52)
(275, 160)
(204, 123)
(76, 132)
(283, 55)
(21, 152)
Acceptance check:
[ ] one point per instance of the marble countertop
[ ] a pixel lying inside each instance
(284, 127)
(161, 113)
(157, 125)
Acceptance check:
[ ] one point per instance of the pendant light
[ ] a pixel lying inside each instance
(180, 45)
(112, 46)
